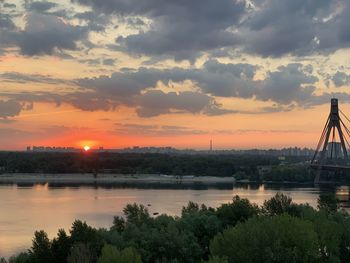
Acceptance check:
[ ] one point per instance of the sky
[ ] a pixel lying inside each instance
(119, 73)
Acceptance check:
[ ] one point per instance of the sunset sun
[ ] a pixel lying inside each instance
(86, 148)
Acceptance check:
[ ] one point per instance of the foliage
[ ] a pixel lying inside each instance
(268, 239)
(237, 211)
(111, 254)
(41, 248)
(290, 173)
(20, 258)
(328, 202)
(80, 253)
(61, 247)
(278, 205)
(136, 214)
(84, 234)
(242, 166)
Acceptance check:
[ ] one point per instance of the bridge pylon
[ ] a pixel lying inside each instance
(332, 147)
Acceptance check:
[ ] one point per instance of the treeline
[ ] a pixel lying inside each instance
(239, 232)
(127, 163)
(299, 173)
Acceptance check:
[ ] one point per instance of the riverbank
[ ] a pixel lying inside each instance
(110, 179)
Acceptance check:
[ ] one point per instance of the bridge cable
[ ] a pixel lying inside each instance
(347, 131)
(344, 115)
(320, 142)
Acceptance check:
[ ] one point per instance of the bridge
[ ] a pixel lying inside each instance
(331, 154)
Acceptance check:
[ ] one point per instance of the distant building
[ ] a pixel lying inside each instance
(264, 169)
(334, 150)
(53, 149)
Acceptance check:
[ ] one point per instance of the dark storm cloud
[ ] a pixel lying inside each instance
(182, 29)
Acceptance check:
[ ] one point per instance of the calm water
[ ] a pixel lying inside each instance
(26, 209)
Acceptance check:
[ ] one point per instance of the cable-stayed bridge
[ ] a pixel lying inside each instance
(331, 154)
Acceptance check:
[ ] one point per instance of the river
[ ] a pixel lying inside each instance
(24, 209)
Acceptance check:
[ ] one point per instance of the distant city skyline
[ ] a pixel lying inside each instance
(244, 73)
(291, 151)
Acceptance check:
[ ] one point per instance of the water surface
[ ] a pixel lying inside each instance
(24, 209)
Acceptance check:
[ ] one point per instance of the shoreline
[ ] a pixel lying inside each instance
(111, 179)
(130, 180)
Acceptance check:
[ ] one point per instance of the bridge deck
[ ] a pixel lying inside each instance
(331, 167)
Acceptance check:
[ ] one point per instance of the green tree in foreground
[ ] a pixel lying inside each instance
(328, 202)
(80, 253)
(61, 247)
(268, 239)
(41, 248)
(20, 258)
(278, 205)
(237, 211)
(111, 254)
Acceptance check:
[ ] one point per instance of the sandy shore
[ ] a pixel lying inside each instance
(109, 179)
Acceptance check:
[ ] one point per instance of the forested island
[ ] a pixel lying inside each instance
(241, 167)
(239, 232)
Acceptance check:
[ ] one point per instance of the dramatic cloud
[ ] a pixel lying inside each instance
(6, 22)
(290, 83)
(341, 79)
(278, 27)
(273, 28)
(41, 7)
(226, 80)
(287, 84)
(27, 78)
(156, 102)
(9, 108)
(187, 29)
(182, 29)
(45, 33)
